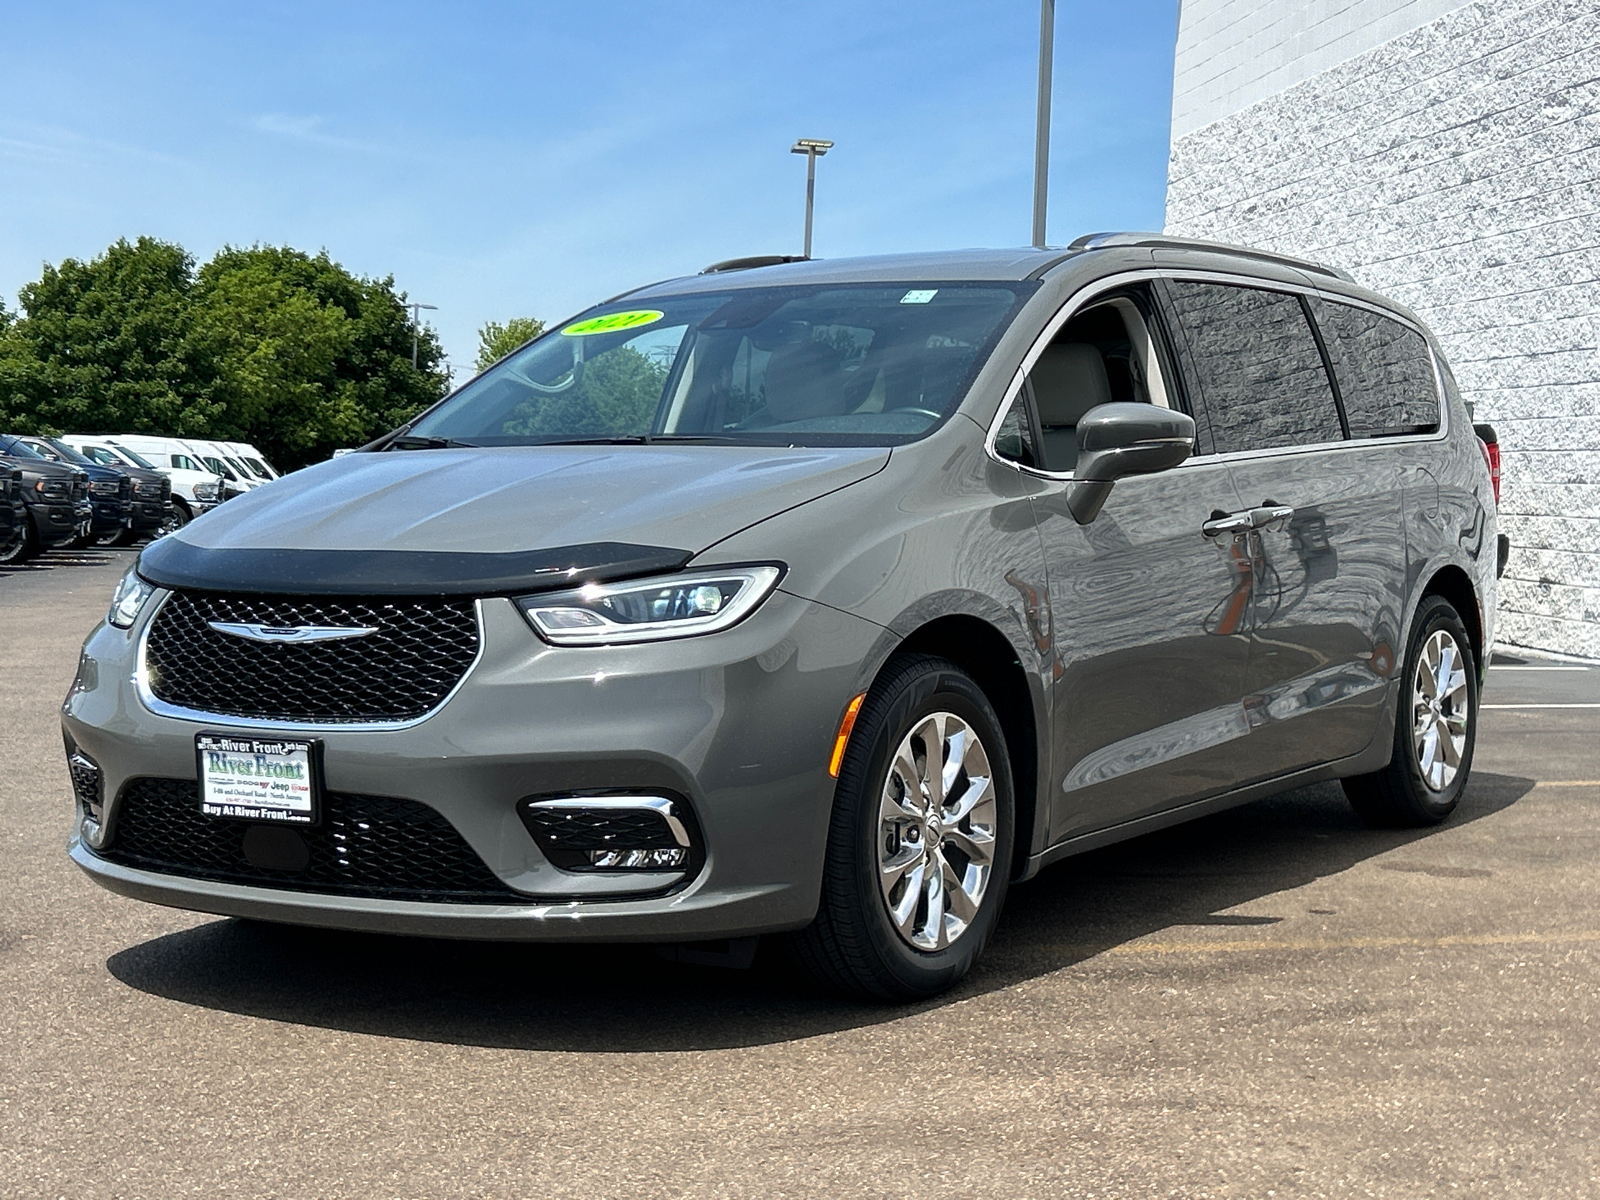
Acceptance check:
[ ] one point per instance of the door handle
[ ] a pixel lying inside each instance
(1221, 523)
(1270, 514)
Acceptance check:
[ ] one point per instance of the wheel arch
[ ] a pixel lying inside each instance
(1452, 583)
(986, 654)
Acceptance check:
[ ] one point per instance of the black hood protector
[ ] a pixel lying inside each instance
(173, 563)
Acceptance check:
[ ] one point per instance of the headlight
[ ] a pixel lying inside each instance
(105, 487)
(53, 489)
(128, 599)
(205, 491)
(148, 491)
(650, 610)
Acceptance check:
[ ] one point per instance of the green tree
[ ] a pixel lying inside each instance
(111, 345)
(265, 344)
(495, 340)
(310, 356)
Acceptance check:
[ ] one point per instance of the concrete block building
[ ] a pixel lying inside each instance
(1447, 154)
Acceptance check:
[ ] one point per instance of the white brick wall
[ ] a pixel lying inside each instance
(1232, 53)
(1455, 167)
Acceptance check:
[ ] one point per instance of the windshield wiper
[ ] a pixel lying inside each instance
(638, 439)
(413, 441)
(635, 439)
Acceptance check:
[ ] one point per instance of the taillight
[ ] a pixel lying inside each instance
(1491, 458)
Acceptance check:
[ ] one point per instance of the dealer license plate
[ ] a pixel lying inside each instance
(259, 778)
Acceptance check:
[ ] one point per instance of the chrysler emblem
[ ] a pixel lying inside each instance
(292, 633)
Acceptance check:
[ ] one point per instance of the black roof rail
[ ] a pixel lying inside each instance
(751, 261)
(1103, 241)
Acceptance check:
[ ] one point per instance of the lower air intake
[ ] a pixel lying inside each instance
(375, 846)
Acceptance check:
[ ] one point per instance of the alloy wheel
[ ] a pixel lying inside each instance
(936, 831)
(1440, 710)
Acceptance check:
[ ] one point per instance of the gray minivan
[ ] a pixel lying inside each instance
(816, 598)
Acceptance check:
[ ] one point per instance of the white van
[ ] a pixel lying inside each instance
(194, 488)
(251, 457)
(237, 479)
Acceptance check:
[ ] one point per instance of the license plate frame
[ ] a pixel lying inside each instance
(266, 778)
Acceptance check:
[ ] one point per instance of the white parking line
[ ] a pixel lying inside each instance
(1539, 706)
(1514, 667)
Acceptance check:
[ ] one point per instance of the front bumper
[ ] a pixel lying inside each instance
(148, 515)
(58, 524)
(110, 515)
(739, 723)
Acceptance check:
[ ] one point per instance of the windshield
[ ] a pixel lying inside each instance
(136, 459)
(10, 445)
(835, 365)
(68, 453)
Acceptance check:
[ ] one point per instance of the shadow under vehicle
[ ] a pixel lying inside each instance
(630, 999)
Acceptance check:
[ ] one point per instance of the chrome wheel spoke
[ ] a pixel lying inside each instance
(1440, 701)
(977, 844)
(1427, 677)
(936, 831)
(932, 934)
(932, 734)
(892, 868)
(910, 775)
(1448, 748)
(963, 904)
(904, 910)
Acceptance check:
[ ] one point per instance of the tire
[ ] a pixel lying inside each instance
(24, 547)
(1421, 785)
(854, 945)
(176, 519)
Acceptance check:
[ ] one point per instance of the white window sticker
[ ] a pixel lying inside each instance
(919, 297)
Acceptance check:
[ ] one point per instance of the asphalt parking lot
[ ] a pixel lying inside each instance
(1274, 1001)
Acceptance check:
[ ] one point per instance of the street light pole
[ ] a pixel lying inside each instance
(1041, 145)
(813, 149)
(416, 317)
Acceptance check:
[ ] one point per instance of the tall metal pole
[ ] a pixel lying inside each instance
(416, 332)
(813, 149)
(811, 194)
(1041, 146)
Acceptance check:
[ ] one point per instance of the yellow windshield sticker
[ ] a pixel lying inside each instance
(613, 322)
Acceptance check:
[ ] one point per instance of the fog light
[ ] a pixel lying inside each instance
(641, 860)
(86, 784)
(612, 833)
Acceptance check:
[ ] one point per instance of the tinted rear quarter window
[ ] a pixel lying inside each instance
(1385, 372)
(1253, 357)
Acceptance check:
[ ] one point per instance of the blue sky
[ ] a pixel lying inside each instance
(505, 159)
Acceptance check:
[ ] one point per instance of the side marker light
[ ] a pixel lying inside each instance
(843, 740)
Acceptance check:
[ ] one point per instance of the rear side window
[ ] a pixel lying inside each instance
(1256, 363)
(1385, 373)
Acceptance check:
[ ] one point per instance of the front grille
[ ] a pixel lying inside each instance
(376, 846)
(420, 651)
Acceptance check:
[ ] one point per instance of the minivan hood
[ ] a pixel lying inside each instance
(644, 507)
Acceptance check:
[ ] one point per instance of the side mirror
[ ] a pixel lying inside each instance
(1115, 440)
